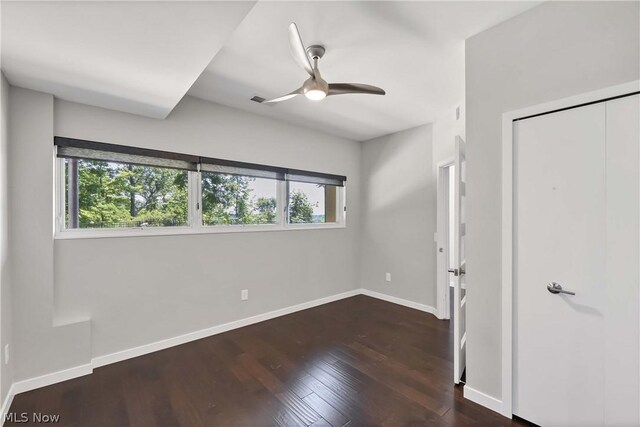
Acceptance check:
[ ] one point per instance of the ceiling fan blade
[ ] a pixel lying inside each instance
(284, 97)
(346, 88)
(298, 50)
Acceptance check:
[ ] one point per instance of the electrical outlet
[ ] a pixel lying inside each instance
(244, 294)
(387, 277)
(6, 354)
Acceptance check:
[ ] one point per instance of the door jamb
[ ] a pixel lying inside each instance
(443, 292)
(508, 215)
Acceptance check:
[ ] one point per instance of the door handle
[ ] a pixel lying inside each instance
(555, 288)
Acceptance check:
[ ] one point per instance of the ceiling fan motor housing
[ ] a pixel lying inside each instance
(316, 51)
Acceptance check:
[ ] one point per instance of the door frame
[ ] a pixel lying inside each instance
(442, 220)
(507, 245)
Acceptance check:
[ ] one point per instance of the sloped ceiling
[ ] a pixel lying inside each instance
(414, 50)
(142, 57)
(137, 57)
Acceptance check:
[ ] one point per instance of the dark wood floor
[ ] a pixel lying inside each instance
(357, 362)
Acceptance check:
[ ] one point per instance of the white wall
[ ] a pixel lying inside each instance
(6, 374)
(399, 201)
(143, 289)
(445, 129)
(553, 51)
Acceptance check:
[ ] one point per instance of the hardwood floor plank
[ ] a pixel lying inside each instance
(342, 403)
(299, 407)
(266, 378)
(372, 370)
(321, 423)
(430, 384)
(334, 384)
(326, 411)
(341, 375)
(300, 389)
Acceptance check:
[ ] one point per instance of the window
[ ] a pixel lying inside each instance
(112, 190)
(100, 194)
(237, 199)
(312, 203)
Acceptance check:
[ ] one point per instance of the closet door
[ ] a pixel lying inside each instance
(576, 266)
(560, 238)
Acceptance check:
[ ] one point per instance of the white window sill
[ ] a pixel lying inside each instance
(181, 231)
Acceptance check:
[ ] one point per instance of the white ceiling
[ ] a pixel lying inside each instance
(414, 50)
(138, 57)
(143, 56)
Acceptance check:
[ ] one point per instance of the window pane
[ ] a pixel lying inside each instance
(103, 194)
(233, 199)
(312, 203)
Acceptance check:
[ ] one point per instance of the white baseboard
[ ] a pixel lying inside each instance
(203, 333)
(485, 400)
(6, 405)
(96, 362)
(400, 301)
(42, 381)
(52, 378)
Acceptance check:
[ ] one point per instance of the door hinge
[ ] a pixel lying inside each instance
(457, 272)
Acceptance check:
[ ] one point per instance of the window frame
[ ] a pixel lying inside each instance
(194, 214)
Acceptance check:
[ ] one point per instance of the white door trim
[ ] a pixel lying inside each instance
(442, 276)
(507, 217)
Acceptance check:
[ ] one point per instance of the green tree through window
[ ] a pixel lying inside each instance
(231, 199)
(115, 195)
(300, 208)
(266, 210)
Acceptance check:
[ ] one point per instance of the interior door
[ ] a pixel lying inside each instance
(576, 266)
(459, 289)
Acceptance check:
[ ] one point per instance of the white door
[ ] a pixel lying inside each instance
(459, 289)
(576, 227)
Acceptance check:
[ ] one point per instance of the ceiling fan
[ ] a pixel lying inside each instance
(315, 87)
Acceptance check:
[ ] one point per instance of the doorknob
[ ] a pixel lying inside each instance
(555, 288)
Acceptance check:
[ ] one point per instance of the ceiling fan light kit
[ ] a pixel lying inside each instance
(315, 87)
(315, 94)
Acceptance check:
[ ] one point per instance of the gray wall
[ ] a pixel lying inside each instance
(6, 372)
(399, 201)
(553, 51)
(42, 344)
(143, 289)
